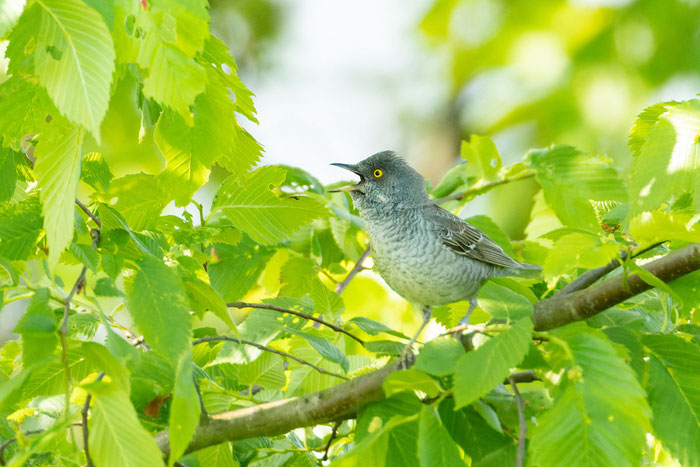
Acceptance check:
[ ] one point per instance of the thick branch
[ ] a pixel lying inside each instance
(577, 306)
(343, 400)
(279, 417)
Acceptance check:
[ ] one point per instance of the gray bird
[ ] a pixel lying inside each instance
(426, 254)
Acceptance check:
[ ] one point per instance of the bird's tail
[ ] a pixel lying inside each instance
(525, 270)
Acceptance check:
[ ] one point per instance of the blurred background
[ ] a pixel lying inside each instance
(338, 81)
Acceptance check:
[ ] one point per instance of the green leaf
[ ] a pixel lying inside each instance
(23, 93)
(482, 158)
(49, 379)
(672, 388)
(20, 227)
(375, 447)
(266, 371)
(257, 211)
(185, 408)
(373, 327)
(10, 11)
(216, 53)
(203, 297)
(8, 174)
(96, 172)
(651, 227)
(38, 328)
(384, 347)
(402, 442)
(435, 446)
(667, 164)
(410, 380)
(300, 277)
(570, 179)
(58, 172)
(439, 357)
(179, 93)
(238, 270)
(577, 250)
(73, 58)
(484, 445)
(105, 361)
(503, 303)
(140, 198)
(105, 287)
(323, 346)
(643, 125)
(86, 255)
(600, 415)
(115, 436)
(482, 369)
(219, 455)
(190, 151)
(158, 306)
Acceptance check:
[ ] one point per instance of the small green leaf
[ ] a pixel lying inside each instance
(439, 357)
(577, 250)
(373, 327)
(96, 172)
(410, 380)
(482, 369)
(266, 371)
(503, 303)
(324, 347)
(482, 158)
(20, 227)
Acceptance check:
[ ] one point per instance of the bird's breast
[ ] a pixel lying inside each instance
(410, 256)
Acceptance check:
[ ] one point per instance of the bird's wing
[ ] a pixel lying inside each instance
(467, 240)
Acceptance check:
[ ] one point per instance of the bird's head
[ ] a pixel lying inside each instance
(385, 178)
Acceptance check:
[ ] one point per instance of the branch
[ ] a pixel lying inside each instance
(267, 349)
(592, 275)
(84, 415)
(358, 267)
(265, 306)
(7, 442)
(562, 309)
(481, 188)
(279, 417)
(344, 400)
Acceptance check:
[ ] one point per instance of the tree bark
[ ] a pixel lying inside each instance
(345, 399)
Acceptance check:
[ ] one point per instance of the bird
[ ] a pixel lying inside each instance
(425, 253)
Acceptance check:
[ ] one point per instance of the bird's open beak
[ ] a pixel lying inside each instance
(350, 188)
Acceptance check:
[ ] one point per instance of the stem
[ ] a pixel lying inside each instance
(353, 272)
(265, 306)
(522, 424)
(268, 349)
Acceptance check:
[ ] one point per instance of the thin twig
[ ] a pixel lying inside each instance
(7, 442)
(63, 330)
(522, 424)
(203, 414)
(486, 186)
(280, 309)
(522, 377)
(592, 275)
(87, 211)
(358, 267)
(330, 440)
(267, 349)
(84, 414)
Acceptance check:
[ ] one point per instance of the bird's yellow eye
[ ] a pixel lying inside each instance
(377, 173)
